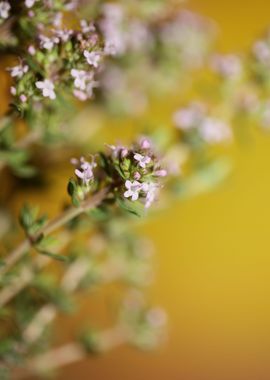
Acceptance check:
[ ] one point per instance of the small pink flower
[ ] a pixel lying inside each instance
(47, 88)
(4, 9)
(92, 57)
(29, 3)
(145, 143)
(161, 173)
(64, 34)
(48, 43)
(18, 71)
(32, 50)
(215, 131)
(189, 117)
(85, 170)
(261, 50)
(80, 77)
(133, 190)
(151, 190)
(137, 176)
(23, 98)
(142, 160)
(13, 90)
(87, 28)
(81, 95)
(227, 66)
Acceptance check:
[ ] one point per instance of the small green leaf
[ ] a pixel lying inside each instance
(55, 256)
(28, 216)
(134, 208)
(71, 188)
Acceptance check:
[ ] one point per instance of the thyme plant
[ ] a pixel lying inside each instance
(113, 58)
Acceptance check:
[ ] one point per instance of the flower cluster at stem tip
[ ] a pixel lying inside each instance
(134, 174)
(55, 59)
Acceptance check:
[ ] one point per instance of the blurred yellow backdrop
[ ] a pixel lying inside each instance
(213, 259)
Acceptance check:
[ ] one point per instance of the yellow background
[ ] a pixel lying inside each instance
(213, 259)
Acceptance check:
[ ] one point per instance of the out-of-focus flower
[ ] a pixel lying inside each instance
(215, 131)
(189, 117)
(189, 36)
(81, 77)
(58, 19)
(48, 42)
(261, 51)
(227, 66)
(93, 58)
(64, 34)
(32, 50)
(4, 9)
(18, 71)
(30, 3)
(157, 317)
(87, 27)
(47, 88)
(145, 143)
(265, 115)
(151, 190)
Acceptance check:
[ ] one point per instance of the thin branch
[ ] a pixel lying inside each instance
(51, 226)
(27, 273)
(108, 272)
(72, 353)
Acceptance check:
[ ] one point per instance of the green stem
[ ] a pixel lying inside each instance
(51, 226)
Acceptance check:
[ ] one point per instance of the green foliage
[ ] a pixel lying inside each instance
(30, 221)
(132, 208)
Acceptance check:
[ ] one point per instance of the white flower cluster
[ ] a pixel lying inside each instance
(261, 51)
(211, 129)
(227, 66)
(149, 190)
(84, 84)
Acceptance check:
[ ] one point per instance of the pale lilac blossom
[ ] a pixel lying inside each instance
(31, 50)
(261, 50)
(137, 176)
(142, 160)
(30, 3)
(213, 131)
(87, 27)
(151, 190)
(145, 143)
(80, 78)
(13, 90)
(118, 149)
(18, 71)
(70, 6)
(160, 173)
(47, 88)
(93, 58)
(227, 66)
(48, 42)
(133, 190)
(4, 9)
(85, 170)
(81, 95)
(58, 19)
(23, 98)
(189, 117)
(64, 34)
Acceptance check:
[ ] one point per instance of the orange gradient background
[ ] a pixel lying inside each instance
(213, 259)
